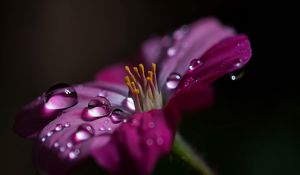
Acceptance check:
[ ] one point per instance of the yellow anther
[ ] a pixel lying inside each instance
(127, 79)
(154, 68)
(142, 69)
(133, 85)
(129, 73)
(136, 71)
(136, 92)
(150, 74)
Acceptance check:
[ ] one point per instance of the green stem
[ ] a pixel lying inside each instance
(185, 152)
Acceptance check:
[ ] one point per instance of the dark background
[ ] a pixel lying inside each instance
(253, 128)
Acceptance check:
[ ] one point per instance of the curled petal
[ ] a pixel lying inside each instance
(193, 43)
(114, 74)
(228, 55)
(137, 145)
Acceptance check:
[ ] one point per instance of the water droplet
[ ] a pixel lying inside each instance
(67, 125)
(129, 103)
(43, 139)
(83, 133)
(62, 149)
(180, 33)
(173, 80)
(50, 133)
(194, 64)
(238, 63)
(151, 125)
(135, 122)
(102, 129)
(60, 96)
(149, 142)
(97, 107)
(58, 127)
(159, 141)
(69, 144)
(56, 145)
(74, 154)
(117, 115)
(171, 51)
(237, 75)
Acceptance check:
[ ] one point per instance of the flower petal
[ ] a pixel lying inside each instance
(137, 145)
(114, 74)
(228, 55)
(197, 97)
(192, 43)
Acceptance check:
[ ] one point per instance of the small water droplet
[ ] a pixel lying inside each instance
(117, 115)
(173, 80)
(97, 107)
(74, 154)
(43, 139)
(125, 121)
(109, 128)
(180, 33)
(159, 141)
(238, 63)
(56, 145)
(129, 103)
(49, 134)
(171, 51)
(58, 127)
(151, 125)
(67, 125)
(102, 129)
(135, 122)
(69, 144)
(149, 142)
(237, 75)
(194, 64)
(62, 149)
(83, 133)
(60, 96)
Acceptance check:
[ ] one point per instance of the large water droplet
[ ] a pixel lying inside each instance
(60, 96)
(97, 107)
(83, 133)
(117, 115)
(173, 80)
(194, 64)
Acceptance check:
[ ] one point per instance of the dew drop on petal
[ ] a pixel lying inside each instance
(117, 115)
(149, 142)
(49, 134)
(97, 107)
(43, 139)
(62, 149)
(56, 145)
(159, 141)
(194, 64)
(151, 125)
(171, 51)
(84, 132)
(58, 127)
(173, 80)
(60, 96)
(74, 154)
(69, 144)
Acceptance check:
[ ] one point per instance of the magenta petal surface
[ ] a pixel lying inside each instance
(112, 74)
(137, 145)
(228, 55)
(193, 42)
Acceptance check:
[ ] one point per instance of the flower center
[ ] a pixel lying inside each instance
(143, 89)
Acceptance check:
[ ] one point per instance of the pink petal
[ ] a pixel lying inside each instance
(137, 145)
(198, 38)
(113, 74)
(228, 55)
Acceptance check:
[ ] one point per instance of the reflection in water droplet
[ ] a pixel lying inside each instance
(238, 63)
(58, 127)
(194, 64)
(129, 103)
(83, 133)
(74, 154)
(60, 96)
(117, 115)
(97, 107)
(173, 80)
(171, 51)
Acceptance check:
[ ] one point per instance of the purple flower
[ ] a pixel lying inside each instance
(127, 127)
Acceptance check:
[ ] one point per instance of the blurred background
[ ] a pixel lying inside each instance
(253, 128)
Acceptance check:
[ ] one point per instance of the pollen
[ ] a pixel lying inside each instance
(143, 89)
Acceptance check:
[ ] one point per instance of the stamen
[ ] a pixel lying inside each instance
(144, 90)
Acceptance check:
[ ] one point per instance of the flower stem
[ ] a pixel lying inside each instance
(182, 149)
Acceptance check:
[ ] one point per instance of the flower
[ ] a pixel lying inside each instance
(127, 127)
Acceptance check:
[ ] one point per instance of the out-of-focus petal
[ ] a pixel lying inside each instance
(137, 145)
(114, 74)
